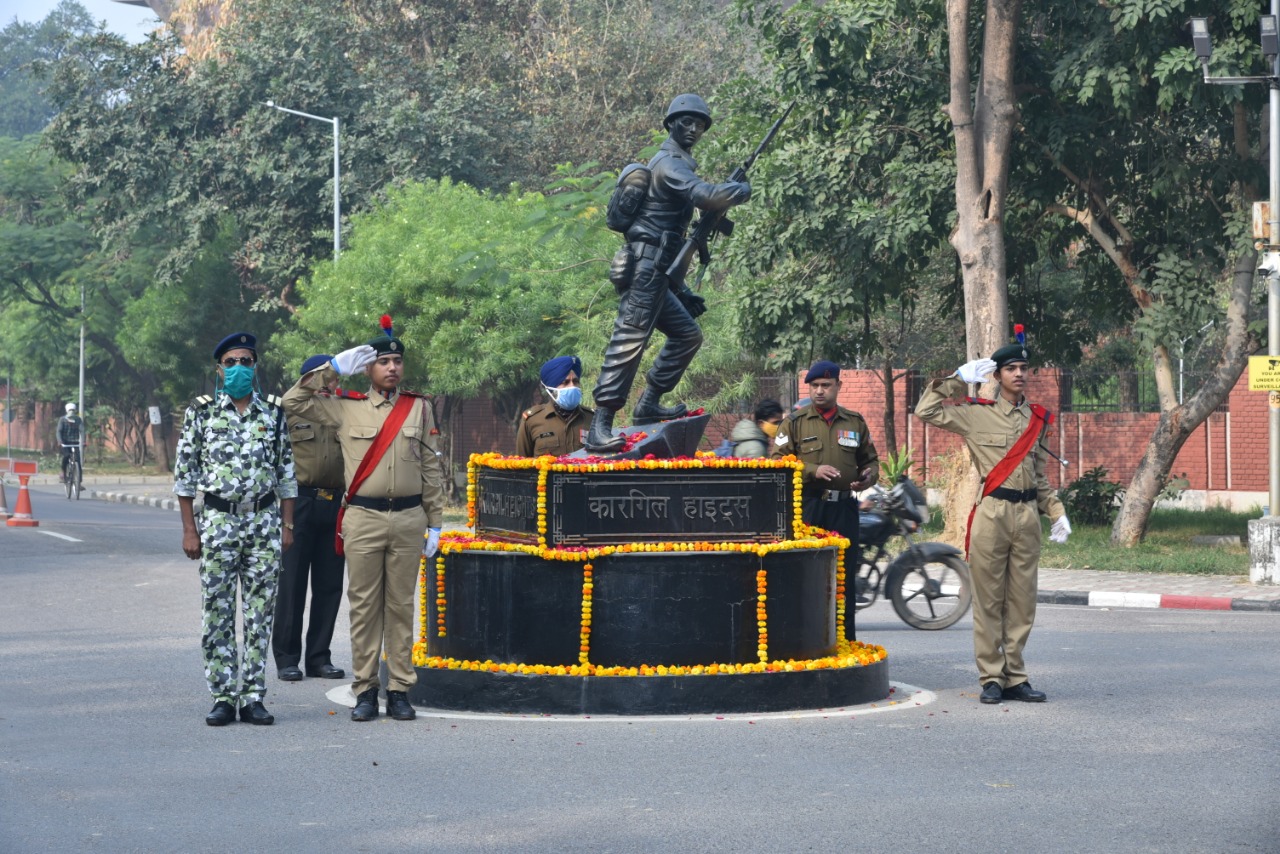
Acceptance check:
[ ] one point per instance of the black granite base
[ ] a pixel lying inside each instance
(516, 693)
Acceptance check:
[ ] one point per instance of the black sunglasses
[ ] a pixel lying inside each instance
(232, 361)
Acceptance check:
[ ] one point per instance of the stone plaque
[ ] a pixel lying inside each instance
(507, 504)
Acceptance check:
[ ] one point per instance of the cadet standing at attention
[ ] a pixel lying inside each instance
(235, 449)
(394, 496)
(558, 427)
(1005, 440)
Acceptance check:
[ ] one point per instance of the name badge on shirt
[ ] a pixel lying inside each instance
(582, 435)
(848, 438)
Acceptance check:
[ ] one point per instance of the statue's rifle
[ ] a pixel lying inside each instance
(710, 224)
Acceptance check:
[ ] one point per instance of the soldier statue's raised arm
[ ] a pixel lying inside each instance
(650, 298)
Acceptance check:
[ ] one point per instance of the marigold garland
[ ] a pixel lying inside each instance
(584, 643)
(762, 615)
(440, 597)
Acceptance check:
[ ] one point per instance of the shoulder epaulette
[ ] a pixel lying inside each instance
(203, 400)
(981, 401)
(527, 413)
(274, 401)
(347, 394)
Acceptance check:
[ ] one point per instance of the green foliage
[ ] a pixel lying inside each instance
(1092, 499)
(894, 465)
(24, 109)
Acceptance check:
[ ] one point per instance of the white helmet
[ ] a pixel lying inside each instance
(71, 407)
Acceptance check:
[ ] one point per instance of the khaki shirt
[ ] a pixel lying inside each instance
(317, 457)
(990, 431)
(412, 463)
(544, 430)
(844, 443)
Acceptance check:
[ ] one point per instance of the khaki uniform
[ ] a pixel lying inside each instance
(313, 561)
(383, 547)
(1004, 542)
(544, 430)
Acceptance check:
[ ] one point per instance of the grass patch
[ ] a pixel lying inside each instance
(1167, 547)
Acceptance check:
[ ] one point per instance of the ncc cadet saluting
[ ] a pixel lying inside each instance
(558, 427)
(838, 455)
(394, 495)
(1005, 440)
(235, 449)
(317, 460)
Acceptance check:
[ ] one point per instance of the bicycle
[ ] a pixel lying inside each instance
(75, 473)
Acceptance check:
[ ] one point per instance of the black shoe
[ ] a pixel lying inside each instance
(256, 713)
(1023, 692)
(398, 706)
(325, 671)
(223, 713)
(991, 693)
(649, 409)
(366, 706)
(600, 438)
(292, 673)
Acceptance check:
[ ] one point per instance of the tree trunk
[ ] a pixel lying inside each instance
(983, 119)
(1177, 422)
(890, 442)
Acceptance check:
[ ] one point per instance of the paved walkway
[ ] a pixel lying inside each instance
(1091, 587)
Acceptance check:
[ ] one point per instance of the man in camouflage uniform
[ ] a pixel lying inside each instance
(1004, 539)
(235, 449)
(651, 300)
(838, 455)
(313, 560)
(385, 521)
(558, 427)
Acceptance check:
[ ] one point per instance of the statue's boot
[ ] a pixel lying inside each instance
(650, 409)
(600, 438)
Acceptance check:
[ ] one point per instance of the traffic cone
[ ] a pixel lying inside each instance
(4, 502)
(22, 512)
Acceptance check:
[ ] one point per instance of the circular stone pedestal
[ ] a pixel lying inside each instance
(647, 608)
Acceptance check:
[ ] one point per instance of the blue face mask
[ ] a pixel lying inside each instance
(566, 398)
(238, 381)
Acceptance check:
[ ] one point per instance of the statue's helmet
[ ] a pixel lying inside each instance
(688, 104)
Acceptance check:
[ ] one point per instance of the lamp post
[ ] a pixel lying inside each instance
(1203, 45)
(337, 202)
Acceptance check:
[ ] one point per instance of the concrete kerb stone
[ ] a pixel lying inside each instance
(141, 500)
(1112, 599)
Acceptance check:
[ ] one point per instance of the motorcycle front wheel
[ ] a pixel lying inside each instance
(932, 595)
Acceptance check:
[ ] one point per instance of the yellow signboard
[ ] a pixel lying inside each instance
(1264, 373)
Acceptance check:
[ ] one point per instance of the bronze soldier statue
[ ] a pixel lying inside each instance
(652, 299)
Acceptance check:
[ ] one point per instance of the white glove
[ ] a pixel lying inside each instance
(977, 371)
(433, 542)
(355, 360)
(1061, 530)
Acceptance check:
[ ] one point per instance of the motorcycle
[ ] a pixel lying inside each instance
(928, 583)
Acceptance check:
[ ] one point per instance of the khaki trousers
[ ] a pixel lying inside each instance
(1004, 560)
(384, 550)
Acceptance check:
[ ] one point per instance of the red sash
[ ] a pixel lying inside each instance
(386, 435)
(1040, 419)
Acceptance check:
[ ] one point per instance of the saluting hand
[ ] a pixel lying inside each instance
(355, 360)
(977, 371)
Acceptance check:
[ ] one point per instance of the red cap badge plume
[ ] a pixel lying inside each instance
(385, 323)
(1020, 333)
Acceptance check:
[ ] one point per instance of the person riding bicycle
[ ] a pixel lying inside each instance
(70, 429)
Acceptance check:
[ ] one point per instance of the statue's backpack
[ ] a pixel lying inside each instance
(628, 194)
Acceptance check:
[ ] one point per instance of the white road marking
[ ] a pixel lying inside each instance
(60, 536)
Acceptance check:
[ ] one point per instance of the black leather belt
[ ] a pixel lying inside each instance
(319, 492)
(835, 494)
(253, 505)
(404, 502)
(1017, 496)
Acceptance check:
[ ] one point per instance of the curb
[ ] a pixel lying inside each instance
(142, 500)
(1105, 599)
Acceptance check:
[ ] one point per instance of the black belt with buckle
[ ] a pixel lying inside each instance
(1017, 496)
(318, 492)
(835, 494)
(253, 505)
(404, 502)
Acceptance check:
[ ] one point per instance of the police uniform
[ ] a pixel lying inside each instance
(384, 524)
(544, 429)
(243, 464)
(844, 443)
(317, 460)
(1004, 539)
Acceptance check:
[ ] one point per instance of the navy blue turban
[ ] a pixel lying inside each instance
(317, 361)
(554, 372)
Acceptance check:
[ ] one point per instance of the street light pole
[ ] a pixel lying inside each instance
(1270, 37)
(337, 173)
